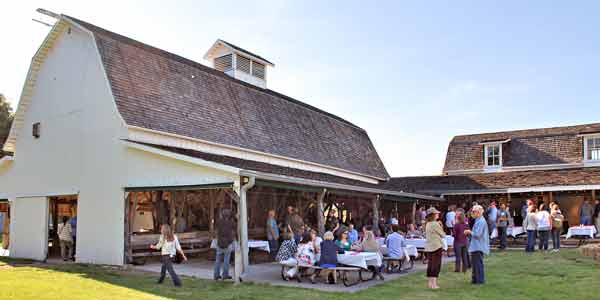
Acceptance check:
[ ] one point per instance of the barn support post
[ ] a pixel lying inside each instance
(321, 212)
(242, 260)
(376, 213)
(594, 195)
(128, 253)
(414, 212)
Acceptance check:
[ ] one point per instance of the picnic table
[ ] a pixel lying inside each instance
(581, 230)
(420, 243)
(253, 244)
(360, 259)
(513, 231)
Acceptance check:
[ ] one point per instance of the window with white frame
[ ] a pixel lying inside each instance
(592, 148)
(493, 155)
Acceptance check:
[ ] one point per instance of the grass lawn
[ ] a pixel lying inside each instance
(510, 275)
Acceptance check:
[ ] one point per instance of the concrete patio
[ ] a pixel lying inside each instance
(270, 273)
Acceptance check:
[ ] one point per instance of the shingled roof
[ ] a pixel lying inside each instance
(556, 145)
(495, 181)
(158, 90)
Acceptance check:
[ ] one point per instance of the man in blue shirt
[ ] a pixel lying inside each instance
(480, 244)
(272, 234)
(395, 244)
(352, 233)
(492, 217)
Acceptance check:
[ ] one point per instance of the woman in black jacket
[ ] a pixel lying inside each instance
(328, 261)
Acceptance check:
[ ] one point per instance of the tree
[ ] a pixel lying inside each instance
(6, 118)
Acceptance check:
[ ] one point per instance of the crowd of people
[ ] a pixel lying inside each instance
(294, 242)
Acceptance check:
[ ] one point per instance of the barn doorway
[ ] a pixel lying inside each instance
(4, 226)
(61, 208)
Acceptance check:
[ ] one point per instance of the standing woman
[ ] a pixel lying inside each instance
(168, 244)
(543, 226)
(530, 224)
(65, 236)
(461, 243)
(434, 233)
(557, 225)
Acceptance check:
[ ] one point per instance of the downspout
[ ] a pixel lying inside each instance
(243, 209)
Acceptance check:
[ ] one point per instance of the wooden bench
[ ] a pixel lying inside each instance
(389, 261)
(316, 271)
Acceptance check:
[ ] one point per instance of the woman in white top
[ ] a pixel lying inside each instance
(530, 225)
(65, 237)
(543, 226)
(168, 245)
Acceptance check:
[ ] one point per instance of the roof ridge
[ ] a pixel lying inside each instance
(207, 69)
(573, 127)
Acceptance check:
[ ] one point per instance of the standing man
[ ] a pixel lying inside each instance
(492, 214)
(272, 233)
(296, 224)
(502, 223)
(225, 235)
(73, 222)
(480, 244)
(586, 212)
(450, 219)
(524, 209)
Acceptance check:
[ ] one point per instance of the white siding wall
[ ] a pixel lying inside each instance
(81, 151)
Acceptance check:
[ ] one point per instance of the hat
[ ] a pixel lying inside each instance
(432, 210)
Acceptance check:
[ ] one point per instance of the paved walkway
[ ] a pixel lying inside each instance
(270, 273)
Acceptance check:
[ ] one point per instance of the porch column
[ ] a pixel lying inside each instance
(321, 212)
(593, 195)
(414, 212)
(245, 184)
(376, 213)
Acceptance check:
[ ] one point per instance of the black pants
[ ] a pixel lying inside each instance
(167, 266)
(461, 258)
(502, 236)
(477, 263)
(434, 263)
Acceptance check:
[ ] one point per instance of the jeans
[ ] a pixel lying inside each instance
(66, 249)
(491, 227)
(586, 220)
(556, 238)
(167, 266)
(273, 247)
(477, 265)
(544, 235)
(226, 254)
(502, 236)
(531, 235)
(461, 255)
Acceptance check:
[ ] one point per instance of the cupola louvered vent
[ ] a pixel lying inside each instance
(258, 70)
(224, 63)
(243, 64)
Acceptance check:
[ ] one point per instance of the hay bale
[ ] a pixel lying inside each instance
(590, 250)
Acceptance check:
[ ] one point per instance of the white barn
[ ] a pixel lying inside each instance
(102, 117)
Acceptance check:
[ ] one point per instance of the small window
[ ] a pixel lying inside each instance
(243, 64)
(258, 70)
(35, 130)
(224, 63)
(592, 148)
(493, 155)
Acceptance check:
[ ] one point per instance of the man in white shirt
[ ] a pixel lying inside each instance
(450, 218)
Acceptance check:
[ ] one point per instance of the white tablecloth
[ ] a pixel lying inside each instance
(410, 249)
(582, 230)
(513, 231)
(420, 243)
(255, 244)
(359, 259)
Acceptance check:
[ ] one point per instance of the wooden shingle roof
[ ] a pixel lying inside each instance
(161, 91)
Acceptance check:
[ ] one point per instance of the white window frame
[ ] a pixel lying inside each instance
(485, 156)
(585, 148)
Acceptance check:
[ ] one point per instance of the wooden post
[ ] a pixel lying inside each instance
(321, 212)
(593, 195)
(128, 252)
(211, 213)
(414, 212)
(376, 213)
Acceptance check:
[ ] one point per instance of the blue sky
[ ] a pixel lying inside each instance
(412, 73)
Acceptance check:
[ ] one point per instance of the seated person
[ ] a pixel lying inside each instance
(305, 255)
(413, 232)
(395, 244)
(352, 233)
(329, 252)
(343, 241)
(287, 249)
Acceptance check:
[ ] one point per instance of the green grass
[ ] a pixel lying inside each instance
(510, 275)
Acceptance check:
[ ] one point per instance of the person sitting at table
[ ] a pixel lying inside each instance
(395, 245)
(369, 244)
(316, 241)
(305, 255)
(413, 232)
(329, 252)
(352, 233)
(287, 249)
(343, 242)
